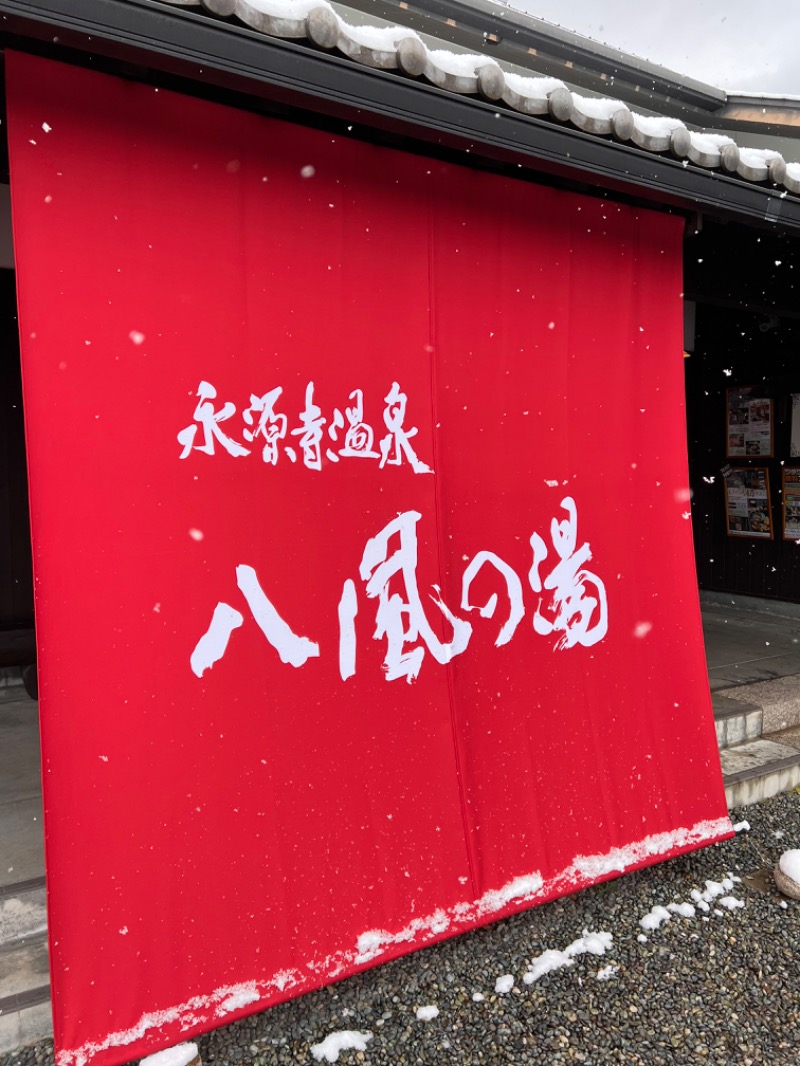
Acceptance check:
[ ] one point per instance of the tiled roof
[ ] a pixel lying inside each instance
(388, 47)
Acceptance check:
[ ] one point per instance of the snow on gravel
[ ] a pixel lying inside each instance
(427, 1014)
(343, 1040)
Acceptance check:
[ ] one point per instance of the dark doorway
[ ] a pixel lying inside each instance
(745, 284)
(17, 643)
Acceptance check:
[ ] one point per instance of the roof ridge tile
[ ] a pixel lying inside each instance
(396, 47)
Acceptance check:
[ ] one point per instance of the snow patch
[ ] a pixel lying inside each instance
(287, 9)
(618, 860)
(684, 910)
(527, 86)
(551, 959)
(655, 918)
(590, 944)
(186, 1012)
(181, 1055)
(343, 1040)
(598, 107)
(547, 962)
(242, 997)
(371, 943)
(713, 891)
(607, 973)
(730, 903)
(427, 1014)
(379, 38)
(656, 125)
(710, 142)
(789, 863)
(375, 942)
(758, 157)
(518, 889)
(459, 64)
(284, 979)
(504, 984)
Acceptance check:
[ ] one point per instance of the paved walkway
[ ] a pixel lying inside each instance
(22, 853)
(744, 646)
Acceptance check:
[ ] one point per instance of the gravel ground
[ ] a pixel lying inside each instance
(723, 990)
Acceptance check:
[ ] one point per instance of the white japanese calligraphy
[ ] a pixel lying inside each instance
(209, 419)
(290, 648)
(310, 432)
(577, 612)
(350, 432)
(395, 444)
(402, 620)
(271, 426)
(359, 436)
(514, 586)
(214, 642)
(348, 609)
(212, 645)
(574, 607)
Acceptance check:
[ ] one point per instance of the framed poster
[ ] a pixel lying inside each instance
(794, 443)
(791, 503)
(749, 424)
(748, 510)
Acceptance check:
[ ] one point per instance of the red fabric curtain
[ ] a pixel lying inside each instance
(365, 590)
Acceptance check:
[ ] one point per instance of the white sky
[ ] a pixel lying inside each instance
(733, 44)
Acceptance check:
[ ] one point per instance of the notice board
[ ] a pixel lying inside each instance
(365, 591)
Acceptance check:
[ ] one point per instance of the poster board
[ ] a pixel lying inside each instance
(748, 507)
(315, 489)
(791, 502)
(794, 441)
(749, 424)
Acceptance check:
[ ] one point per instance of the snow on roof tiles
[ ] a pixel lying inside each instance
(400, 48)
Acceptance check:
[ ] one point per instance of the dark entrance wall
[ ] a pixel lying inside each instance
(16, 577)
(746, 285)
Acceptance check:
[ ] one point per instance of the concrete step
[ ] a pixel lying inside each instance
(736, 721)
(24, 1022)
(779, 701)
(23, 911)
(11, 687)
(758, 769)
(25, 1015)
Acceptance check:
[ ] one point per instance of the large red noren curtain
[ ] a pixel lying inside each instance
(365, 592)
